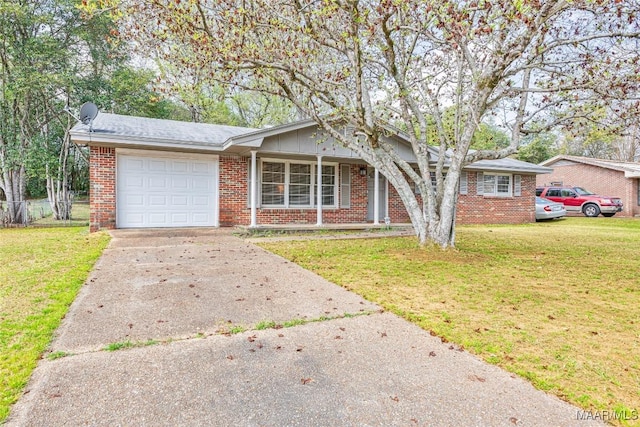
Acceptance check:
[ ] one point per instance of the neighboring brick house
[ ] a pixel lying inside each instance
(162, 173)
(605, 177)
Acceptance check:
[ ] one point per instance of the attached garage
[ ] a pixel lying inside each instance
(155, 189)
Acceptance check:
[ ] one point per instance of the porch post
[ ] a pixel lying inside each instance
(254, 189)
(376, 197)
(319, 195)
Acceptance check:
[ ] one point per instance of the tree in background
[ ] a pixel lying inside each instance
(627, 147)
(207, 101)
(367, 65)
(537, 148)
(258, 110)
(608, 135)
(34, 66)
(53, 56)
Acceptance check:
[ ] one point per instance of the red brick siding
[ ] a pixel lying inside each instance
(233, 191)
(102, 191)
(599, 180)
(475, 209)
(478, 209)
(397, 212)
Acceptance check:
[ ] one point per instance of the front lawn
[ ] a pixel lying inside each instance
(558, 302)
(41, 271)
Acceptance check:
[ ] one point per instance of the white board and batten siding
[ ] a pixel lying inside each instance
(157, 189)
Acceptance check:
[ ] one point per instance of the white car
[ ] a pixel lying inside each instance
(548, 209)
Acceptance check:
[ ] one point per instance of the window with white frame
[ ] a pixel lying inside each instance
(299, 184)
(292, 184)
(496, 184)
(273, 183)
(328, 185)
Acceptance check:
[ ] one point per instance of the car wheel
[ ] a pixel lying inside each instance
(591, 210)
(608, 215)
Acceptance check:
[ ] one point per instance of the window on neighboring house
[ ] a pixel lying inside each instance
(495, 185)
(293, 184)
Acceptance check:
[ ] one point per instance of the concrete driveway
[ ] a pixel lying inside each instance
(169, 296)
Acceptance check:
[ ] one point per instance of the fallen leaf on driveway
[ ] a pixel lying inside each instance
(477, 378)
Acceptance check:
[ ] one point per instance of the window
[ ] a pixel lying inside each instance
(496, 185)
(293, 184)
(328, 185)
(299, 185)
(517, 185)
(273, 182)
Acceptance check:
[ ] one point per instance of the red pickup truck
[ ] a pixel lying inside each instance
(577, 199)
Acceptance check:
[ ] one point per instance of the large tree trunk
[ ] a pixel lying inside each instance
(14, 186)
(58, 192)
(432, 222)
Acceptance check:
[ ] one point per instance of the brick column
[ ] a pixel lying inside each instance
(102, 193)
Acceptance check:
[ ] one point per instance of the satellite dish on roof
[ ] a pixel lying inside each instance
(88, 112)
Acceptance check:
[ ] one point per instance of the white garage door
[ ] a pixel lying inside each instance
(162, 190)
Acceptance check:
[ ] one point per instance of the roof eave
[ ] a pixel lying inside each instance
(255, 142)
(90, 138)
(526, 170)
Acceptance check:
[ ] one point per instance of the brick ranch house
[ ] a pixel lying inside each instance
(162, 173)
(605, 177)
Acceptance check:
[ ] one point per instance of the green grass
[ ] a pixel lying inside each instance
(265, 324)
(236, 329)
(122, 345)
(557, 303)
(41, 271)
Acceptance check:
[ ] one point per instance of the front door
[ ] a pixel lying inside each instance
(382, 195)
